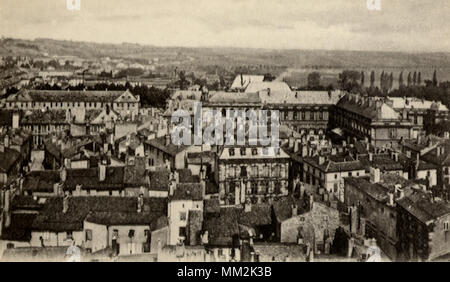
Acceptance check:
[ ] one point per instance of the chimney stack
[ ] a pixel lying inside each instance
(66, 203)
(167, 139)
(294, 210)
(15, 119)
(321, 160)
(140, 203)
(102, 172)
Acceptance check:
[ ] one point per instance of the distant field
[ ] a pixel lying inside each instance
(299, 76)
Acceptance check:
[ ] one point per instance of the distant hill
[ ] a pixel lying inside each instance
(226, 56)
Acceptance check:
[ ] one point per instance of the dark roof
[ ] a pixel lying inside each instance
(123, 218)
(23, 202)
(188, 191)
(89, 178)
(67, 96)
(335, 163)
(8, 158)
(283, 208)
(159, 180)
(5, 118)
(52, 218)
(382, 161)
(420, 206)
(41, 181)
(171, 149)
(221, 229)
(185, 176)
(260, 214)
(47, 117)
(136, 175)
(19, 230)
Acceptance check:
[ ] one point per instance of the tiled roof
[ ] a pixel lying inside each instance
(382, 161)
(8, 158)
(52, 218)
(159, 180)
(222, 228)
(234, 98)
(5, 118)
(363, 108)
(65, 96)
(260, 214)
(242, 81)
(171, 149)
(124, 218)
(335, 163)
(47, 117)
(188, 191)
(420, 206)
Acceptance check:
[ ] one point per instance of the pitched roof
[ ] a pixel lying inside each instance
(374, 110)
(8, 158)
(188, 191)
(52, 218)
(221, 229)
(242, 81)
(159, 180)
(65, 96)
(274, 86)
(420, 206)
(335, 163)
(171, 149)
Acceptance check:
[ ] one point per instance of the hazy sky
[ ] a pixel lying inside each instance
(401, 25)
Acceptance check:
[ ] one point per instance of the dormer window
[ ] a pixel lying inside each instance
(231, 151)
(243, 151)
(254, 151)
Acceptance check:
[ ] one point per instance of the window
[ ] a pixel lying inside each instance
(182, 232)
(182, 216)
(220, 252)
(131, 233)
(243, 151)
(231, 151)
(303, 115)
(320, 115)
(69, 235)
(88, 235)
(254, 151)
(243, 171)
(146, 232)
(446, 226)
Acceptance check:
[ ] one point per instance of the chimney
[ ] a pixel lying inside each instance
(248, 206)
(172, 187)
(167, 139)
(333, 151)
(311, 202)
(101, 172)
(370, 157)
(294, 210)
(242, 80)
(321, 160)
(268, 92)
(66, 203)
(7, 208)
(6, 141)
(2, 148)
(296, 146)
(78, 189)
(391, 199)
(15, 119)
(140, 203)
(63, 174)
(375, 175)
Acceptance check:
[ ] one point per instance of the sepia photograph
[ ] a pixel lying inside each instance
(199, 132)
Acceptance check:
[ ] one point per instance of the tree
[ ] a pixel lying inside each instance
(372, 79)
(419, 78)
(313, 80)
(415, 78)
(400, 80)
(391, 81)
(435, 81)
(382, 80)
(409, 79)
(362, 79)
(349, 80)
